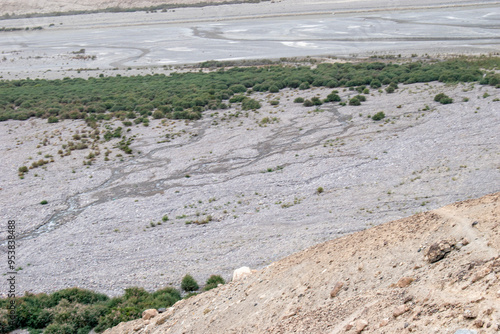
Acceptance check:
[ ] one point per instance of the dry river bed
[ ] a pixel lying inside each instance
(255, 174)
(143, 43)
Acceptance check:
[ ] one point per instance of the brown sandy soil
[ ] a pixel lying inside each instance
(388, 285)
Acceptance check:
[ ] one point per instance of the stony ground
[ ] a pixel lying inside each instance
(435, 272)
(239, 188)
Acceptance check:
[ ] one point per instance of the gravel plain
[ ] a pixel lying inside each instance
(253, 177)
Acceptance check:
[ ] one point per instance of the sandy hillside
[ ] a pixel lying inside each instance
(385, 283)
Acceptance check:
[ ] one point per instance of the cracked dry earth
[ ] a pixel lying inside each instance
(386, 279)
(255, 174)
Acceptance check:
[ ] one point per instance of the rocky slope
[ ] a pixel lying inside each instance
(434, 272)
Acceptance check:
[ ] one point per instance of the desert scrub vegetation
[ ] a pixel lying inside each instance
(78, 310)
(212, 282)
(136, 99)
(443, 98)
(378, 116)
(189, 284)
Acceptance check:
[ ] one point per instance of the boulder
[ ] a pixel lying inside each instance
(241, 273)
(148, 314)
(438, 250)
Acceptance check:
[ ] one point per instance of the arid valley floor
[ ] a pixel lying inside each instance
(240, 188)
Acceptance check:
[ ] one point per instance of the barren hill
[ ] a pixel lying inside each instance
(434, 272)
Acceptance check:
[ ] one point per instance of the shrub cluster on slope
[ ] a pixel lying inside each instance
(77, 311)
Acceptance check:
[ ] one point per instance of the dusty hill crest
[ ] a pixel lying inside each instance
(379, 280)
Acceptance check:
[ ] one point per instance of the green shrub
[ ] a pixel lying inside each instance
(319, 190)
(378, 116)
(389, 89)
(157, 114)
(213, 281)
(274, 89)
(23, 169)
(44, 202)
(59, 329)
(189, 284)
(375, 83)
(443, 98)
(333, 97)
(238, 88)
(249, 103)
(274, 102)
(354, 101)
(316, 101)
(299, 100)
(164, 218)
(53, 119)
(304, 85)
(308, 103)
(237, 98)
(361, 98)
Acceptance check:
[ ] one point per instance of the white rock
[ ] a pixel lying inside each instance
(241, 273)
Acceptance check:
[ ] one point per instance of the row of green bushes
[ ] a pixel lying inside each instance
(78, 311)
(187, 95)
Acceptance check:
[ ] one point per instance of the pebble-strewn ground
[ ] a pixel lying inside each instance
(256, 175)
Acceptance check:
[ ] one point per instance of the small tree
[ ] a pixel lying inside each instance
(189, 284)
